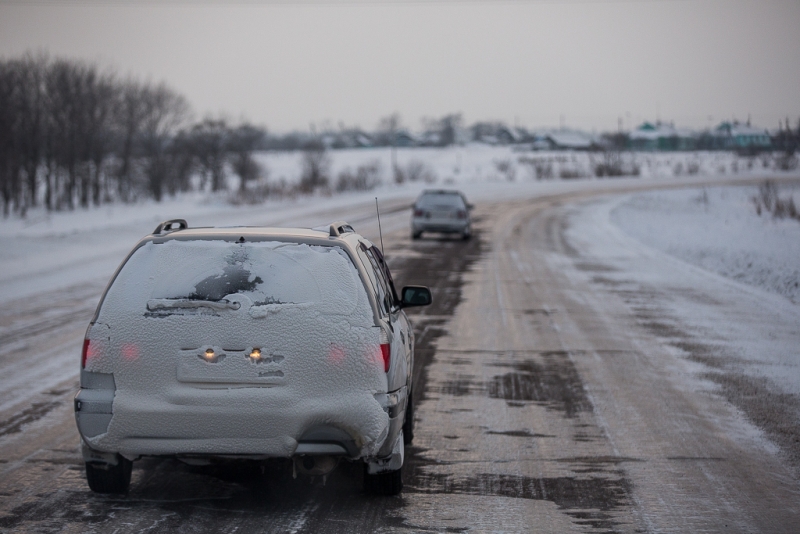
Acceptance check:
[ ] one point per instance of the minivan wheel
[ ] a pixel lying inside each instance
(408, 425)
(416, 235)
(388, 483)
(107, 478)
(466, 235)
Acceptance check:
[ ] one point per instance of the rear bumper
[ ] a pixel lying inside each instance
(256, 423)
(447, 227)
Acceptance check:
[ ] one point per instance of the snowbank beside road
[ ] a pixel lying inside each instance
(718, 229)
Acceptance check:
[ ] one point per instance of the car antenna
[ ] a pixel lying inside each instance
(380, 232)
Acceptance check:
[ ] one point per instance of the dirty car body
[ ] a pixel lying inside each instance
(249, 343)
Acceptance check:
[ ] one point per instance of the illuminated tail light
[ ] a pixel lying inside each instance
(386, 351)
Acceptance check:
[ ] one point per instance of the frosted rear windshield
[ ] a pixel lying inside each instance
(450, 200)
(175, 274)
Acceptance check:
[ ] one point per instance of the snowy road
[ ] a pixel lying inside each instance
(569, 378)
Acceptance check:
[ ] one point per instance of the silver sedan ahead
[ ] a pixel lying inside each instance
(441, 210)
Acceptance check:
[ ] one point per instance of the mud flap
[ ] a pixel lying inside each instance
(393, 462)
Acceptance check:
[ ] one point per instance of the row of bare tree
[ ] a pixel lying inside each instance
(74, 134)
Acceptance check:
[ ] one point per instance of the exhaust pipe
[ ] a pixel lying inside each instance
(315, 465)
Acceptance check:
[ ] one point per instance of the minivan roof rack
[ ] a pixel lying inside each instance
(171, 226)
(340, 227)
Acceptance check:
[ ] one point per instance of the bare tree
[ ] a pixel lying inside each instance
(209, 140)
(63, 121)
(8, 119)
(22, 119)
(129, 117)
(242, 142)
(80, 101)
(164, 112)
(31, 109)
(445, 128)
(60, 139)
(417, 170)
(316, 168)
(64, 95)
(99, 104)
(182, 163)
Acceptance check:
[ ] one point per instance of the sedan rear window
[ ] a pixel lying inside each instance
(449, 200)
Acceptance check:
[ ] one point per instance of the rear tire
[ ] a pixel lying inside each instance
(416, 235)
(408, 425)
(106, 478)
(466, 235)
(388, 483)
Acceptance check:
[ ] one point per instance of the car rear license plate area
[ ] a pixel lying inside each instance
(213, 365)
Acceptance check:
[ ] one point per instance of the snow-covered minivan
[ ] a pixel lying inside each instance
(212, 344)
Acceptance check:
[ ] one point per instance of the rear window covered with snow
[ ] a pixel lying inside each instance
(208, 276)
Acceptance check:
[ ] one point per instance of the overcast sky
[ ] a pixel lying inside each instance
(587, 63)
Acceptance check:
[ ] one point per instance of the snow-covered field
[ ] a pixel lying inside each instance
(476, 163)
(718, 229)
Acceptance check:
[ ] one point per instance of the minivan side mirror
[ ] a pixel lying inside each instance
(415, 296)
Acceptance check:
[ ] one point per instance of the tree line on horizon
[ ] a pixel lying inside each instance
(73, 134)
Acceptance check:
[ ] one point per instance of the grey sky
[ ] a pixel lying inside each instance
(287, 65)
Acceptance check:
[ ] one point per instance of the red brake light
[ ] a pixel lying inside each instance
(84, 353)
(386, 351)
(418, 213)
(91, 351)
